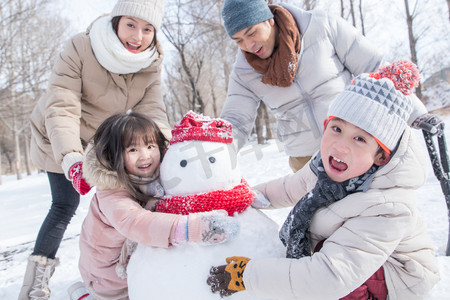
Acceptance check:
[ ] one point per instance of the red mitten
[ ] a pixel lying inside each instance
(78, 182)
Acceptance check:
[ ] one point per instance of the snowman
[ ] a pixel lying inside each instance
(199, 173)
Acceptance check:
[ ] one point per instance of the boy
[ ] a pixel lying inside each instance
(357, 234)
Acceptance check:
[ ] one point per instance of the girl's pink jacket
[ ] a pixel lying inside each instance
(113, 217)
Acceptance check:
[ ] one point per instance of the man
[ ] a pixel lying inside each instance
(296, 62)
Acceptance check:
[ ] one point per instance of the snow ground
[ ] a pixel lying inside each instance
(24, 204)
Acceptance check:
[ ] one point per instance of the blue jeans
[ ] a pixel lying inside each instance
(65, 200)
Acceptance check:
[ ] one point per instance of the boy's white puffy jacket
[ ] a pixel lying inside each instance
(332, 51)
(363, 232)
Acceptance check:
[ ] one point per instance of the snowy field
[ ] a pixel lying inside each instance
(24, 204)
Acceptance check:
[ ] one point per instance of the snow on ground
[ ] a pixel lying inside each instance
(24, 204)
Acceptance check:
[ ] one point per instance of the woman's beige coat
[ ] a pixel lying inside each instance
(363, 231)
(81, 95)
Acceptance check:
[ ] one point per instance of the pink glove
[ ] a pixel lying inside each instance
(78, 182)
(206, 227)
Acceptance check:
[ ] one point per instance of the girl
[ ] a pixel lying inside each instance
(123, 163)
(112, 67)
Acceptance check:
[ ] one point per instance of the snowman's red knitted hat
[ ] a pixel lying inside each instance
(194, 127)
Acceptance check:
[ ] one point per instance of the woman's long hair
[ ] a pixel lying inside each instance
(115, 25)
(117, 133)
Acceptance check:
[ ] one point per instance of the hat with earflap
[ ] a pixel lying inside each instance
(379, 103)
(149, 10)
(240, 14)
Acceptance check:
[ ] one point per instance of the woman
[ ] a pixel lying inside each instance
(112, 67)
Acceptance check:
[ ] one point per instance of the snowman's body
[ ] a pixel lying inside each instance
(180, 272)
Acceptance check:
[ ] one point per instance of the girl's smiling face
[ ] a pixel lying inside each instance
(347, 151)
(135, 34)
(142, 159)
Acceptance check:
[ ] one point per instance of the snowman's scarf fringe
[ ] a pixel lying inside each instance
(233, 201)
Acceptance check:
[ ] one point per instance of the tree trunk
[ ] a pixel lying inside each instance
(361, 17)
(352, 13)
(17, 160)
(259, 126)
(1, 173)
(412, 43)
(269, 134)
(26, 151)
(448, 5)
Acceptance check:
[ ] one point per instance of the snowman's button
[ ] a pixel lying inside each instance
(183, 163)
(212, 159)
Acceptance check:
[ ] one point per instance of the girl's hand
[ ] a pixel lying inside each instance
(207, 227)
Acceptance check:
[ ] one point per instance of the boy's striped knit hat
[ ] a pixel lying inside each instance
(379, 103)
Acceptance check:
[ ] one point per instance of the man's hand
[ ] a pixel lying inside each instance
(228, 279)
(260, 200)
(430, 123)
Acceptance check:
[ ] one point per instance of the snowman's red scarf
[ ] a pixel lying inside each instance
(235, 200)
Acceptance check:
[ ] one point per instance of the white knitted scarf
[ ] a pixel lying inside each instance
(111, 53)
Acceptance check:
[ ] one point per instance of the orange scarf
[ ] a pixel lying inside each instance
(280, 68)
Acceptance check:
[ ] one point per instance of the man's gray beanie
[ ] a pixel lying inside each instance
(240, 14)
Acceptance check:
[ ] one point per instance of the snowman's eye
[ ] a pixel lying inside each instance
(183, 163)
(212, 159)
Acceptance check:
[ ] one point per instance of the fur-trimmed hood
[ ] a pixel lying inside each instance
(97, 175)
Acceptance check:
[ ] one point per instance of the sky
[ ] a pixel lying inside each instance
(25, 203)
(82, 12)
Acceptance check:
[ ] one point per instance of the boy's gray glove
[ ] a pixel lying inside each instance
(430, 123)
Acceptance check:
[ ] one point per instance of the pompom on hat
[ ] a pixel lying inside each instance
(149, 10)
(194, 127)
(240, 14)
(380, 102)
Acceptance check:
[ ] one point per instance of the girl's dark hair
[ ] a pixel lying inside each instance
(117, 133)
(115, 25)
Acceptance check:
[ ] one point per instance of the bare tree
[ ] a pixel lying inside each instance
(26, 61)
(361, 18)
(448, 6)
(310, 4)
(412, 38)
(352, 13)
(202, 60)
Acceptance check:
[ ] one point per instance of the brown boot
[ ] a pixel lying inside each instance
(35, 282)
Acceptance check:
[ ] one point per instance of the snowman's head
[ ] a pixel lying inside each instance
(194, 167)
(201, 157)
